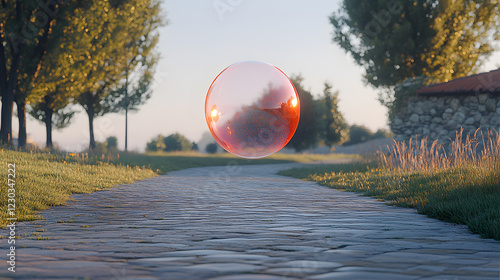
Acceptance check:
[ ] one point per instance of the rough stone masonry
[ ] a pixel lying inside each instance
(438, 111)
(440, 117)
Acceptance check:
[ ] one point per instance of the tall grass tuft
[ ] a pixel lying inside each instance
(478, 150)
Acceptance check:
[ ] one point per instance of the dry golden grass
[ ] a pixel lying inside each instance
(476, 149)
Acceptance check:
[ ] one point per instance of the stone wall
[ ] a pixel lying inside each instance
(439, 117)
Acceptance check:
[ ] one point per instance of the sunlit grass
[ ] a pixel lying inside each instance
(465, 190)
(44, 180)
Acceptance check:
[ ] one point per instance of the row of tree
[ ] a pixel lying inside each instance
(320, 119)
(320, 122)
(54, 54)
(173, 142)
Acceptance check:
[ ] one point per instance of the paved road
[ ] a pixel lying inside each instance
(243, 222)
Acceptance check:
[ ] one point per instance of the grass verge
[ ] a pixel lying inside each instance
(469, 195)
(463, 190)
(43, 180)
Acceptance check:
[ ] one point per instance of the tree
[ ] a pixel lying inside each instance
(382, 133)
(358, 134)
(130, 97)
(336, 129)
(52, 114)
(123, 41)
(211, 148)
(27, 30)
(156, 144)
(307, 130)
(195, 146)
(111, 143)
(63, 73)
(177, 142)
(398, 39)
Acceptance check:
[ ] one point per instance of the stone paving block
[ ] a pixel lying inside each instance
(430, 268)
(363, 275)
(252, 277)
(226, 267)
(457, 277)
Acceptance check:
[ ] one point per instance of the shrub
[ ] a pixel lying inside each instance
(358, 134)
(112, 143)
(195, 147)
(211, 148)
(177, 142)
(156, 144)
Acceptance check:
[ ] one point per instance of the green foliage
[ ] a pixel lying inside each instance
(112, 143)
(211, 148)
(397, 99)
(177, 142)
(123, 40)
(358, 134)
(156, 144)
(51, 53)
(382, 133)
(306, 135)
(397, 39)
(99, 149)
(194, 147)
(59, 119)
(29, 32)
(336, 130)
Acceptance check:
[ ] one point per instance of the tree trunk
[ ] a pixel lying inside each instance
(92, 143)
(8, 102)
(8, 85)
(6, 131)
(21, 115)
(126, 108)
(126, 128)
(48, 128)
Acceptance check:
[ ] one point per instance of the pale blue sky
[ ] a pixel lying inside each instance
(200, 41)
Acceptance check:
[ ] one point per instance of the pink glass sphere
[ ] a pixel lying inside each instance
(252, 109)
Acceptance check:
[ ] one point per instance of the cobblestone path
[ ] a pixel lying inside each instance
(239, 223)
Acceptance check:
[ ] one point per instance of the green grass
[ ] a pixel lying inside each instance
(464, 191)
(45, 179)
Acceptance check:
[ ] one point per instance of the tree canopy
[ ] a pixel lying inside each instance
(177, 142)
(123, 39)
(306, 135)
(398, 39)
(54, 53)
(27, 34)
(336, 130)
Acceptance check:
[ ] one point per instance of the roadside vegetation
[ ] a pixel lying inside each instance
(43, 180)
(457, 183)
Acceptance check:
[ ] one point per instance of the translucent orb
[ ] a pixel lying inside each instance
(252, 109)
